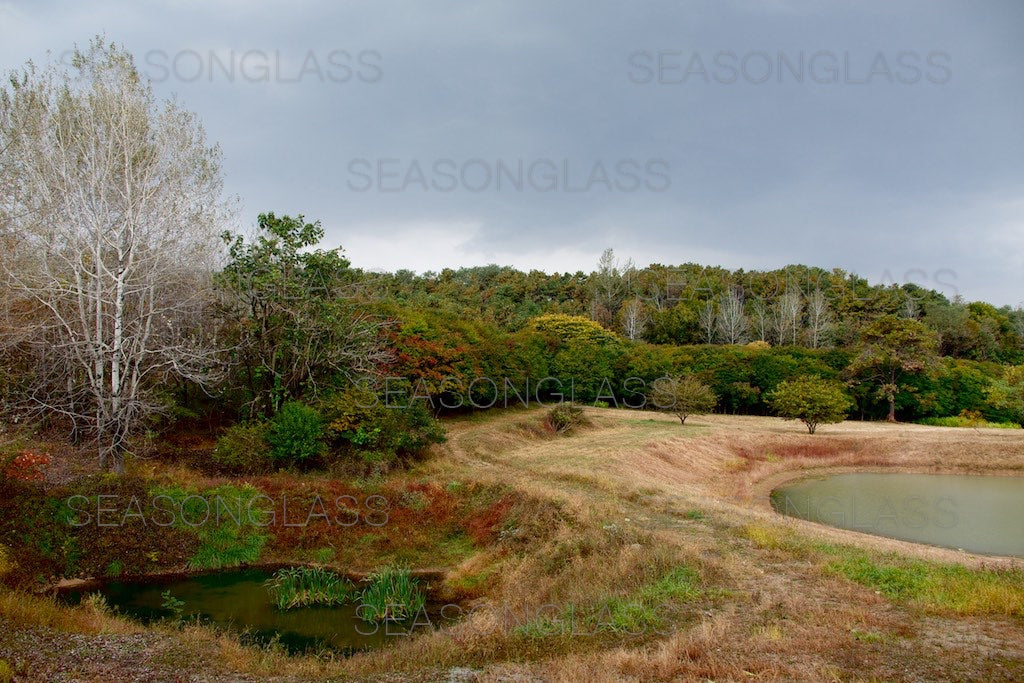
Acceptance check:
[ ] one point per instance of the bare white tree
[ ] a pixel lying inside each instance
(608, 286)
(634, 318)
(707, 319)
(114, 205)
(761, 320)
(732, 320)
(911, 310)
(819, 320)
(786, 312)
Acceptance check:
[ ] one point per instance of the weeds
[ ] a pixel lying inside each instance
(307, 586)
(392, 595)
(564, 418)
(227, 533)
(934, 587)
(966, 421)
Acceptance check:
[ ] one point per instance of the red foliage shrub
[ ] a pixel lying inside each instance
(27, 466)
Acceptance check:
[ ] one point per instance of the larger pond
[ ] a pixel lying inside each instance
(239, 600)
(981, 514)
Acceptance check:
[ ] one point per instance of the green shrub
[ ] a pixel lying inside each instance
(172, 604)
(683, 395)
(243, 449)
(358, 423)
(296, 433)
(564, 417)
(346, 411)
(1006, 394)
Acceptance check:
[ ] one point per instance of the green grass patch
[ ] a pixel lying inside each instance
(224, 519)
(474, 582)
(768, 537)
(681, 584)
(962, 421)
(322, 555)
(868, 636)
(623, 615)
(227, 547)
(454, 548)
(894, 582)
(646, 611)
(931, 586)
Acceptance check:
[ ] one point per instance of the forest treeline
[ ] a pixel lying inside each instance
(646, 323)
(698, 304)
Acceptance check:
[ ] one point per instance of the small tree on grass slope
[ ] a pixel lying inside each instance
(683, 395)
(812, 400)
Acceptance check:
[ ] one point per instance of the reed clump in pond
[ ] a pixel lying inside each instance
(308, 586)
(392, 594)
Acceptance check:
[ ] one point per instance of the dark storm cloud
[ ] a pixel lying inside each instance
(886, 141)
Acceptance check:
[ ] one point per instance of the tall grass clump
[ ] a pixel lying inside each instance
(391, 595)
(307, 586)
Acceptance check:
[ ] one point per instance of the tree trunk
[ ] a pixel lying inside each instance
(892, 408)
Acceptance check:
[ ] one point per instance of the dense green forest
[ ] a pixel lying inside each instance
(743, 332)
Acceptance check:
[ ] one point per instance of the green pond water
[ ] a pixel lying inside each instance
(980, 514)
(239, 600)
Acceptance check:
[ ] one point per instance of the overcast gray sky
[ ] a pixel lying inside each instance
(884, 137)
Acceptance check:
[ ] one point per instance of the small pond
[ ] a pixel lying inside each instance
(980, 514)
(239, 599)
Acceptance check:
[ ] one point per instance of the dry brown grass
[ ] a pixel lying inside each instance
(23, 610)
(637, 494)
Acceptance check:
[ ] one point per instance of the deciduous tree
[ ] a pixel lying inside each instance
(892, 348)
(683, 395)
(732, 320)
(812, 400)
(303, 327)
(111, 208)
